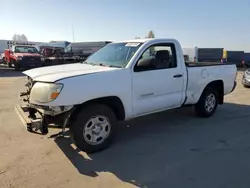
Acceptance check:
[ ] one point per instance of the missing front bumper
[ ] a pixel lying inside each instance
(30, 120)
(34, 120)
(38, 117)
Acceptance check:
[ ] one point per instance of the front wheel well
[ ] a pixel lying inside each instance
(218, 85)
(112, 102)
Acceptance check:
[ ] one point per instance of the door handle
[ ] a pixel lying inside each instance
(177, 76)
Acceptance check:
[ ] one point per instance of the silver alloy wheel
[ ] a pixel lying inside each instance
(96, 130)
(210, 102)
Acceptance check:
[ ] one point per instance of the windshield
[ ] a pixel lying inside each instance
(114, 54)
(25, 49)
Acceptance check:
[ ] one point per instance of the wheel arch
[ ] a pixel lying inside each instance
(218, 85)
(113, 102)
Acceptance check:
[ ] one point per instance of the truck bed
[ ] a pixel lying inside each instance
(200, 74)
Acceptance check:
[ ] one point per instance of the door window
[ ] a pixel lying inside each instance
(160, 56)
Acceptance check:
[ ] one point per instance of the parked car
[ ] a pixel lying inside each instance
(119, 82)
(246, 78)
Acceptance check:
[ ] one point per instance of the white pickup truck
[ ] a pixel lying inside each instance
(119, 82)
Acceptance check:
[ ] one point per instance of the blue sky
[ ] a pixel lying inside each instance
(205, 23)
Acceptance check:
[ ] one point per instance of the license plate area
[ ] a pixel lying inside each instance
(27, 120)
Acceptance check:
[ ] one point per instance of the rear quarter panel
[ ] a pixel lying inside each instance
(200, 77)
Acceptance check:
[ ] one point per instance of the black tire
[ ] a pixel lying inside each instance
(44, 130)
(17, 66)
(85, 115)
(4, 61)
(200, 107)
(9, 64)
(245, 86)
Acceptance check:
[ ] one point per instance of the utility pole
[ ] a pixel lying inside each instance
(73, 33)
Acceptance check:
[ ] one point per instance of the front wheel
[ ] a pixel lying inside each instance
(17, 66)
(207, 103)
(94, 128)
(9, 64)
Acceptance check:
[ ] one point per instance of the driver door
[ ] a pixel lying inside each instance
(158, 84)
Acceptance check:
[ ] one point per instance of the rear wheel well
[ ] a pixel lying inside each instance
(112, 102)
(218, 85)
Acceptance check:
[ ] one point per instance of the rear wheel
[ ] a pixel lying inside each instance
(207, 103)
(94, 128)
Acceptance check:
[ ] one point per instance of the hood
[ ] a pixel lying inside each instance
(28, 54)
(55, 73)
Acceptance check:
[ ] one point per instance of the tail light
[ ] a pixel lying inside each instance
(243, 62)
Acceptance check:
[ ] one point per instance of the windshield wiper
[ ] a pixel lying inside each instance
(86, 62)
(105, 65)
(116, 66)
(100, 64)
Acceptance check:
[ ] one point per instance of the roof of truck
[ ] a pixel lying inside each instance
(144, 40)
(135, 40)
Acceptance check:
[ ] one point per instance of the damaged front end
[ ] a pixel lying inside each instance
(40, 117)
